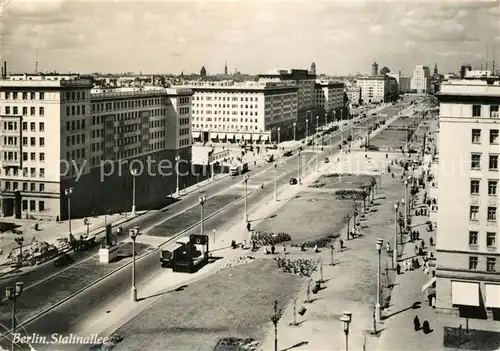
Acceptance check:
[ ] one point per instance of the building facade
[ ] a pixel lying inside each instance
(404, 83)
(468, 250)
(243, 112)
(329, 95)
(421, 80)
(60, 134)
(377, 89)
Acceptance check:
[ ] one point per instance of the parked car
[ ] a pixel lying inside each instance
(327, 160)
(287, 153)
(293, 181)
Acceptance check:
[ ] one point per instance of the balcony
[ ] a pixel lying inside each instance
(494, 114)
(11, 163)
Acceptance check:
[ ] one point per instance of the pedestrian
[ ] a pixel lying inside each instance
(416, 250)
(248, 226)
(426, 327)
(341, 243)
(254, 246)
(388, 247)
(273, 249)
(422, 244)
(431, 241)
(398, 269)
(284, 249)
(416, 323)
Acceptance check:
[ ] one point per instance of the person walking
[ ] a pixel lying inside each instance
(398, 269)
(416, 323)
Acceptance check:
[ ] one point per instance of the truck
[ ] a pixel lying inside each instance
(188, 255)
(240, 168)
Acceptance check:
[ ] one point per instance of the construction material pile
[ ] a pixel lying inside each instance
(62, 244)
(237, 261)
(268, 239)
(301, 267)
(237, 344)
(32, 253)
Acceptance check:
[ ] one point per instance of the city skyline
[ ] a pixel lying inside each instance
(158, 37)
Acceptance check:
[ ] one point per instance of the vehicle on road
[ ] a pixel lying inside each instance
(166, 255)
(293, 181)
(287, 153)
(349, 138)
(63, 260)
(327, 160)
(272, 147)
(240, 168)
(269, 158)
(188, 256)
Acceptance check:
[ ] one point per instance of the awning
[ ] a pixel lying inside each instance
(492, 295)
(214, 135)
(230, 136)
(248, 136)
(428, 284)
(222, 136)
(239, 136)
(196, 134)
(465, 294)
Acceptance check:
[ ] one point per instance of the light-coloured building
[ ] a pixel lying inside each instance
(377, 89)
(329, 95)
(354, 95)
(468, 250)
(243, 112)
(421, 80)
(58, 133)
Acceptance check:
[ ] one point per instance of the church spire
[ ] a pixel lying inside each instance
(225, 68)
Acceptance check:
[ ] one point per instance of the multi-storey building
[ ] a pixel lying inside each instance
(421, 80)
(404, 83)
(377, 89)
(58, 133)
(329, 95)
(468, 250)
(243, 112)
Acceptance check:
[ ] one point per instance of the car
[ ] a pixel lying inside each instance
(293, 181)
(63, 260)
(327, 160)
(287, 153)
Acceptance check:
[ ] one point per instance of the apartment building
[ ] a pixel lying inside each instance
(329, 95)
(250, 112)
(377, 89)
(404, 83)
(421, 80)
(468, 249)
(59, 134)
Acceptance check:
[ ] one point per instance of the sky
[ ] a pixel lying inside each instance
(254, 36)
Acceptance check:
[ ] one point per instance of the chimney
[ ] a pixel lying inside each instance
(5, 69)
(2, 73)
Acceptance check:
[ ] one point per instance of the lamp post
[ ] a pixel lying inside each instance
(406, 204)
(245, 215)
(294, 130)
(326, 119)
(20, 240)
(177, 191)
(202, 200)
(275, 318)
(346, 321)
(274, 179)
(317, 123)
(133, 235)
(335, 116)
(379, 244)
(12, 294)
(395, 248)
(68, 193)
(279, 135)
(134, 173)
(298, 166)
(307, 129)
(214, 235)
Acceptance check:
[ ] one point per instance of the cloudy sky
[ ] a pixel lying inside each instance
(254, 36)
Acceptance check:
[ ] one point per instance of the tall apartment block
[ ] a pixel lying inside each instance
(58, 133)
(468, 243)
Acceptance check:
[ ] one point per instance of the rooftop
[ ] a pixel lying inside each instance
(482, 87)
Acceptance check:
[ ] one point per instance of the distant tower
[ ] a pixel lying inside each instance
(225, 69)
(436, 73)
(313, 68)
(375, 69)
(203, 71)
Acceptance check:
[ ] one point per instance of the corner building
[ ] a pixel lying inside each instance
(468, 246)
(59, 133)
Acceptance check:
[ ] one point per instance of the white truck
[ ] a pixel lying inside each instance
(238, 169)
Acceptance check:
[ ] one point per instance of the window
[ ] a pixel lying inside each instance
(476, 110)
(25, 96)
(32, 205)
(492, 214)
(42, 142)
(42, 172)
(493, 163)
(475, 161)
(474, 186)
(476, 136)
(25, 111)
(472, 262)
(491, 239)
(41, 126)
(494, 136)
(25, 186)
(32, 96)
(42, 96)
(32, 111)
(41, 206)
(32, 141)
(474, 211)
(41, 111)
(473, 237)
(42, 187)
(492, 187)
(491, 262)
(494, 111)
(15, 110)
(33, 127)
(33, 186)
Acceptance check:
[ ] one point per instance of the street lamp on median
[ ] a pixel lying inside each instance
(395, 249)
(307, 129)
(298, 166)
(68, 193)
(133, 235)
(294, 130)
(279, 135)
(275, 190)
(12, 294)
(346, 320)
(326, 119)
(245, 215)
(317, 123)
(177, 159)
(134, 173)
(379, 244)
(406, 204)
(202, 200)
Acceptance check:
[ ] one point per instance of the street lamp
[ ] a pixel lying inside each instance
(275, 191)
(406, 203)
(379, 244)
(326, 119)
(307, 129)
(202, 200)
(279, 135)
(245, 215)
(317, 123)
(275, 318)
(214, 235)
(346, 321)
(133, 235)
(335, 116)
(395, 248)
(134, 173)
(20, 240)
(68, 193)
(294, 127)
(177, 159)
(12, 294)
(298, 166)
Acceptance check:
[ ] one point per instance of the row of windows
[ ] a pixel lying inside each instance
(226, 106)
(75, 139)
(32, 173)
(184, 142)
(15, 110)
(12, 141)
(75, 154)
(14, 172)
(491, 239)
(184, 101)
(96, 120)
(184, 110)
(75, 110)
(25, 186)
(234, 113)
(476, 162)
(12, 126)
(223, 127)
(183, 131)
(224, 119)
(15, 95)
(476, 136)
(491, 214)
(224, 98)
(110, 106)
(477, 111)
(75, 125)
(77, 95)
(475, 187)
(491, 263)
